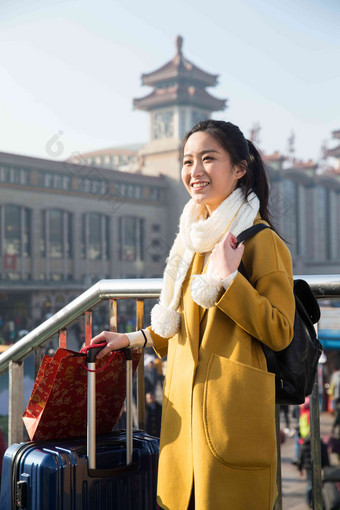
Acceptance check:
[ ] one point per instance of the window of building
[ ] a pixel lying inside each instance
(182, 123)
(17, 229)
(4, 173)
(163, 125)
(14, 176)
(155, 227)
(57, 181)
(131, 238)
(24, 175)
(95, 238)
(154, 194)
(26, 233)
(93, 186)
(155, 243)
(56, 234)
(122, 190)
(95, 231)
(69, 235)
(53, 181)
(43, 234)
(322, 216)
(289, 213)
(107, 237)
(12, 230)
(83, 243)
(130, 191)
(48, 180)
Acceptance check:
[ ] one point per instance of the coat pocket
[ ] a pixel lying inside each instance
(239, 413)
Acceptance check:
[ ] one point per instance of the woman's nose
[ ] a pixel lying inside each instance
(197, 169)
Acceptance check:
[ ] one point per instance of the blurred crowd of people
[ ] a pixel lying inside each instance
(296, 423)
(13, 329)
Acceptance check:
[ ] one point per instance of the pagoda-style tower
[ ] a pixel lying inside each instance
(179, 100)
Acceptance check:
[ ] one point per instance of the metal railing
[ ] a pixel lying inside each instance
(323, 286)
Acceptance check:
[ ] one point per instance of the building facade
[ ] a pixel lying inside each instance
(65, 226)
(113, 213)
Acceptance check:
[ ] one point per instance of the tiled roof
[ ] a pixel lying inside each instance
(179, 68)
(276, 156)
(179, 94)
(304, 165)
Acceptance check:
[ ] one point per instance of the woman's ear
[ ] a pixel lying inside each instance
(241, 169)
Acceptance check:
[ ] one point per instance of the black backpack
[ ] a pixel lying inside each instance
(295, 366)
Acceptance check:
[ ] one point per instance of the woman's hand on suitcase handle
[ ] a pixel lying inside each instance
(115, 341)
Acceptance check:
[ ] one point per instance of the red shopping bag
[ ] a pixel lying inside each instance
(58, 403)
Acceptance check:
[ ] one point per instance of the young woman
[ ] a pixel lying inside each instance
(218, 448)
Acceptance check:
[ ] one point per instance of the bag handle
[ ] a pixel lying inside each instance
(92, 351)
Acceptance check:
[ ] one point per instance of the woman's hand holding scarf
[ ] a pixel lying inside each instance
(226, 256)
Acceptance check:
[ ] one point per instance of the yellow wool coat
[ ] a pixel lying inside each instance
(218, 426)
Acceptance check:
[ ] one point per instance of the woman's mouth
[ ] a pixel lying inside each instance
(199, 185)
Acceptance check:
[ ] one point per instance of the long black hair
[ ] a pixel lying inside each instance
(243, 153)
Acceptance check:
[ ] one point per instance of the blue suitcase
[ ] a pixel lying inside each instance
(111, 472)
(38, 476)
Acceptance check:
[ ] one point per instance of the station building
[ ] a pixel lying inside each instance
(113, 213)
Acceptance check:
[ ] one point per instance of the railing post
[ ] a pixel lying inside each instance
(16, 402)
(62, 338)
(140, 370)
(113, 315)
(316, 444)
(278, 502)
(88, 327)
(37, 360)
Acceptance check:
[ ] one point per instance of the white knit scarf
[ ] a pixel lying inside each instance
(199, 234)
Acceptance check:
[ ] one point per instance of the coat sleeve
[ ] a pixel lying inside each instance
(264, 306)
(160, 343)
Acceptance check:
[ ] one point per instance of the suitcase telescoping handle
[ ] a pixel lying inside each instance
(91, 406)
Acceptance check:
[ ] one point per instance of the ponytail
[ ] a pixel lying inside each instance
(255, 180)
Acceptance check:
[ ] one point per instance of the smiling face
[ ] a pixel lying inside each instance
(207, 171)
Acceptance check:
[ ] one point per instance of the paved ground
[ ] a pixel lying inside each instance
(293, 485)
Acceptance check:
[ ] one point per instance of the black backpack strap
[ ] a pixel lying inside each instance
(250, 232)
(246, 234)
(243, 236)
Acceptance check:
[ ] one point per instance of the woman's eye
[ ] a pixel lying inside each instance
(186, 162)
(207, 158)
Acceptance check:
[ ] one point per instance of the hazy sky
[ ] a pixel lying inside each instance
(72, 68)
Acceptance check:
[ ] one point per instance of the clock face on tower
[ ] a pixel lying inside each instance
(163, 125)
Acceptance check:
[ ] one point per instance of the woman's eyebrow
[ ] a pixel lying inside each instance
(200, 153)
